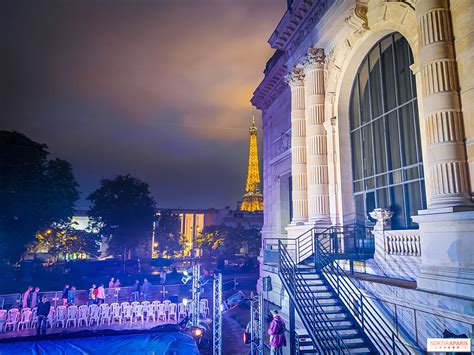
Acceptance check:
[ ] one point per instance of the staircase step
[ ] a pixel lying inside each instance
(327, 308)
(321, 299)
(311, 270)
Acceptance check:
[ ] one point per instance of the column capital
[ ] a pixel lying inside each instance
(315, 59)
(295, 77)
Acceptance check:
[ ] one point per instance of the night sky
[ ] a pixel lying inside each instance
(158, 89)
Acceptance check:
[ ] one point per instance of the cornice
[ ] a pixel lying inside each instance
(297, 23)
(290, 22)
(271, 86)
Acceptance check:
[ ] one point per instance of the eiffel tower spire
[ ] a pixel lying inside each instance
(253, 198)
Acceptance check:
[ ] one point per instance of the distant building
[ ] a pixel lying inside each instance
(193, 221)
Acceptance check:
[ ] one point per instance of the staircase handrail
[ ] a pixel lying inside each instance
(289, 266)
(347, 291)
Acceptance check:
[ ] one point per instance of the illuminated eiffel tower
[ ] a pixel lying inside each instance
(253, 198)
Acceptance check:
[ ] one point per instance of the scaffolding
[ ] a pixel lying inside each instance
(196, 295)
(217, 315)
(256, 324)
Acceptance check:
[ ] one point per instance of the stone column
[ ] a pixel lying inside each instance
(316, 139)
(441, 107)
(298, 146)
(447, 226)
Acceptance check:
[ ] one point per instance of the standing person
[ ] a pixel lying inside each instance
(146, 289)
(277, 334)
(135, 290)
(43, 310)
(35, 298)
(117, 283)
(92, 294)
(101, 294)
(163, 276)
(26, 299)
(71, 295)
(111, 283)
(65, 292)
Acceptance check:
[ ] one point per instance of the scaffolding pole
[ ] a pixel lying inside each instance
(217, 315)
(196, 294)
(256, 324)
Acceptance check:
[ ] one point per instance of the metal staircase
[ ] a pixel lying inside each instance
(338, 318)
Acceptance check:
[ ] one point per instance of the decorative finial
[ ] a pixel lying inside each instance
(253, 120)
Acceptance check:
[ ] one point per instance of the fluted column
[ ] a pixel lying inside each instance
(298, 146)
(316, 139)
(443, 119)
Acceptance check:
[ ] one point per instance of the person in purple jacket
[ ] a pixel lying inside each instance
(277, 334)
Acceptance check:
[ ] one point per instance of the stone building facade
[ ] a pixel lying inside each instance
(368, 104)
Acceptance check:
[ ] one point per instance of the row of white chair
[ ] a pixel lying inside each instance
(65, 316)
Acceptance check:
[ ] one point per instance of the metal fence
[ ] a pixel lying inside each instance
(173, 292)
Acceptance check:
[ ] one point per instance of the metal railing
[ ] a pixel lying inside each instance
(125, 293)
(419, 325)
(368, 317)
(323, 334)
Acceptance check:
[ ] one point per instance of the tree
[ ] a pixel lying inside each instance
(228, 240)
(122, 210)
(167, 234)
(64, 239)
(34, 192)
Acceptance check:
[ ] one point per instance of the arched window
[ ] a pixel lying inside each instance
(385, 138)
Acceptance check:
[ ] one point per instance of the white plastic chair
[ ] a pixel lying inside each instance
(205, 302)
(94, 314)
(83, 315)
(145, 304)
(51, 318)
(23, 310)
(123, 305)
(181, 311)
(71, 316)
(60, 316)
(155, 303)
(127, 314)
(3, 319)
(139, 313)
(166, 305)
(161, 313)
(34, 318)
(150, 313)
(203, 309)
(172, 312)
(103, 305)
(105, 315)
(25, 320)
(116, 313)
(12, 319)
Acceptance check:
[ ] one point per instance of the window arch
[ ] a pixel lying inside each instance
(387, 166)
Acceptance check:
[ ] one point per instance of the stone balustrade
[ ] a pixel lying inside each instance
(402, 242)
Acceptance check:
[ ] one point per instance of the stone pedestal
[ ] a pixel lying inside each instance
(447, 251)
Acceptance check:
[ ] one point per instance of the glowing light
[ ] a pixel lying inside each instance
(197, 332)
(185, 301)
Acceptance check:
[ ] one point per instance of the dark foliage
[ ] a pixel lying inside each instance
(34, 192)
